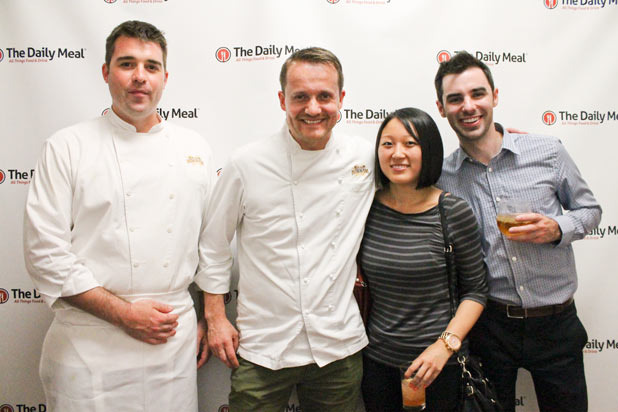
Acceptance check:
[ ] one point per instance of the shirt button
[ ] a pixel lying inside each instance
(514, 258)
(172, 196)
(490, 170)
(497, 198)
(521, 288)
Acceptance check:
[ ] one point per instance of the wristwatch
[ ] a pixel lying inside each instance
(451, 341)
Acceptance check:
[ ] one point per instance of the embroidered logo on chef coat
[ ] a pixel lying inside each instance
(195, 160)
(360, 170)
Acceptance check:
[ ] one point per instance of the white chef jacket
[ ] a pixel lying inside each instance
(123, 210)
(299, 217)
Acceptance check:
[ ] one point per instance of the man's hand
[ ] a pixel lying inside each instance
(538, 229)
(223, 341)
(150, 321)
(203, 352)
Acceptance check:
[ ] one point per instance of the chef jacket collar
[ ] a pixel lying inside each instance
(128, 127)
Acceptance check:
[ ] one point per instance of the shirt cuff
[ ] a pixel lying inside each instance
(567, 228)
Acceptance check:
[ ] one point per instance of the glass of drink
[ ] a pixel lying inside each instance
(508, 210)
(413, 397)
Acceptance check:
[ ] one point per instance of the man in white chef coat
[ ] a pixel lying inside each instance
(113, 219)
(297, 202)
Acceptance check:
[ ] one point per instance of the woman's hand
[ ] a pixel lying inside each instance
(429, 364)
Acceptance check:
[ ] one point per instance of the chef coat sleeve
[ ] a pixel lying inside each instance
(225, 213)
(54, 269)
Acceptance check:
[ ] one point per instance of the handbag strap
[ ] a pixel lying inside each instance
(448, 255)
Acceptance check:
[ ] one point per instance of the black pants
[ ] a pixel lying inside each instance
(549, 347)
(382, 388)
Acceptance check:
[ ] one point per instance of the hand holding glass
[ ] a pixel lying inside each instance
(413, 397)
(508, 210)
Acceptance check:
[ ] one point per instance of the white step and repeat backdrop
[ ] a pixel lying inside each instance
(554, 63)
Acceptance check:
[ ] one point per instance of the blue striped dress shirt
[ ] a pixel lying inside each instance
(538, 169)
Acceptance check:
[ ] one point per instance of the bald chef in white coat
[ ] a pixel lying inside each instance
(113, 219)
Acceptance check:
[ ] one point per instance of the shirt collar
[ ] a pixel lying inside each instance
(508, 143)
(117, 122)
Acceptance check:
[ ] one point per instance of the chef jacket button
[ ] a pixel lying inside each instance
(306, 280)
(340, 180)
(135, 265)
(172, 196)
(301, 215)
(338, 211)
(333, 244)
(166, 264)
(128, 194)
(131, 229)
(302, 247)
(169, 230)
(295, 182)
(331, 308)
(331, 276)
(170, 164)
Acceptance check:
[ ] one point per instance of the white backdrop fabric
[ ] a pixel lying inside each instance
(554, 64)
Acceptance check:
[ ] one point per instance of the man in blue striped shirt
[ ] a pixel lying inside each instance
(530, 320)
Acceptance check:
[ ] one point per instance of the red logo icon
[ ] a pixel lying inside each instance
(339, 116)
(332, 1)
(4, 297)
(105, 111)
(550, 4)
(110, 2)
(443, 56)
(2, 178)
(1, 55)
(223, 54)
(549, 117)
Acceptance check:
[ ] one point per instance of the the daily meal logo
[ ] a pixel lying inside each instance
(443, 56)
(602, 232)
(4, 297)
(365, 116)
(253, 53)
(15, 176)
(22, 407)
(579, 4)
(19, 295)
(178, 113)
(579, 118)
(1, 55)
(332, 1)
(600, 345)
(41, 54)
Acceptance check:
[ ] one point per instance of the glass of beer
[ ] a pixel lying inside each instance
(413, 397)
(508, 210)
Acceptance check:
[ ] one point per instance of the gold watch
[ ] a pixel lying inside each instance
(451, 341)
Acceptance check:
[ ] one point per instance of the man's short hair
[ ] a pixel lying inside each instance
(432, 151)
(458, 64)
(315, 55)
(137, 30)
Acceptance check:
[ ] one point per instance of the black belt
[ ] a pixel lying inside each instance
(517, 312)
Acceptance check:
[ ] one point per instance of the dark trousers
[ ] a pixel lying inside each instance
(382, 388)
(549, 347)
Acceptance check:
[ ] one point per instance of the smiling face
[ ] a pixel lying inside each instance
(400, 154)
(468, 103)
(136, 79)
(311, 101)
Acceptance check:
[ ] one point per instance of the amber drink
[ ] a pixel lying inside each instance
(508, 210)
(413, 397)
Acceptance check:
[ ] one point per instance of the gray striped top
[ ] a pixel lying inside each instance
(402, 257)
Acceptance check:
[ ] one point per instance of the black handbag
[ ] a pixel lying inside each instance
(477, 392)
(361, 293)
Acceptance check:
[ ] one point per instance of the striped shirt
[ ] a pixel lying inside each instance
(537, 169)
(402, 257)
